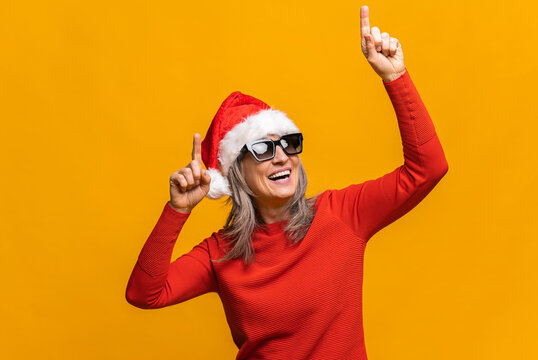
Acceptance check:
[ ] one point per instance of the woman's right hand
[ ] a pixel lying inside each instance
(188, 186)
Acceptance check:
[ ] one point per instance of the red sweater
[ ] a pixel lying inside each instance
(302, 301)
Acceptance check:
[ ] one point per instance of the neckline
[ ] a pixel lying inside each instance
(272, 228)
(278, 226)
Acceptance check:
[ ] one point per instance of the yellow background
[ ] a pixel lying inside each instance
(99, 102)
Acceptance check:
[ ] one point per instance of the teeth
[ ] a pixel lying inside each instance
(285, 172)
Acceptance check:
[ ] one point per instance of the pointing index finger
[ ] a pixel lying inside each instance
(365, 21)
(197, 148)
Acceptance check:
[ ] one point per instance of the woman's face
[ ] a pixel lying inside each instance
(272, 192)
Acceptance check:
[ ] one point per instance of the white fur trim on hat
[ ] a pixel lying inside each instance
(219, 185)
(255, 127)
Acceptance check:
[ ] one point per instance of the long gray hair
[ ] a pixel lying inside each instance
(244, 218)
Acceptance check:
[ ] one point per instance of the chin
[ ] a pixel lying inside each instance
(285, 192)
(286, 195)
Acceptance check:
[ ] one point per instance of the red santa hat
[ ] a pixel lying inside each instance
(240, 119)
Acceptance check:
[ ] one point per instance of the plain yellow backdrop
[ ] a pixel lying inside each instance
(99, 102)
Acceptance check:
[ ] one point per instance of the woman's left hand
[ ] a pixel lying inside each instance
(384, 53)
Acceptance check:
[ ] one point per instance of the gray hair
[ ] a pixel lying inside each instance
(243, 218)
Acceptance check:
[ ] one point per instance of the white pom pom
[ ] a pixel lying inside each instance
(219, 186)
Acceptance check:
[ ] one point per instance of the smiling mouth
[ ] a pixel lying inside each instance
(281, 175)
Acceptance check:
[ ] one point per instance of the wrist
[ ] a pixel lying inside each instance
(181, 210)
(393, 76)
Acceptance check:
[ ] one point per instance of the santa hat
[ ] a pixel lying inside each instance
(240, 119)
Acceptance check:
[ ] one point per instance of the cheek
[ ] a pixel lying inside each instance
(255, 178)
(296, 168)
(253, 181)
(249, 172)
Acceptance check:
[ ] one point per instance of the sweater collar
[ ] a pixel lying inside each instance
(272, 228)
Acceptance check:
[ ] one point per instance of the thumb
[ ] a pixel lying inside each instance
(206, 179)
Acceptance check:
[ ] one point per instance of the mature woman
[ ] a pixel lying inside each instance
(287, 269)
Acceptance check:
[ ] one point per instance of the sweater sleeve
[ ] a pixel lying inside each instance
(154, 281)
(372, 205)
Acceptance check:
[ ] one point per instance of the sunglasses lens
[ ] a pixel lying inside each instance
(263, 150)
(292, 144)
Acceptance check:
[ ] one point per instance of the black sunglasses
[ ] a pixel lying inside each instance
(265, 149)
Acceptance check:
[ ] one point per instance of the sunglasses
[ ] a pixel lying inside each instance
(265, 149)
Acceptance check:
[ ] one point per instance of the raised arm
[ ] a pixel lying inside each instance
(155, 282)
(370, 206)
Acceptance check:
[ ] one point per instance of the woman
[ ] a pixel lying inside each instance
(287, 269)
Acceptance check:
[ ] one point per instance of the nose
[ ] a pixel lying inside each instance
(280, 156)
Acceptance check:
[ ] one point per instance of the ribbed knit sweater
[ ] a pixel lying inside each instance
(301, 301)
